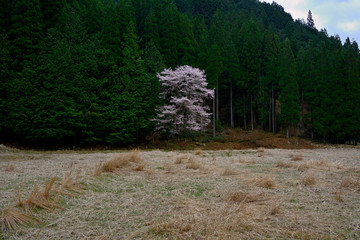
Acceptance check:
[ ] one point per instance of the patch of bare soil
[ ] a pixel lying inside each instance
(202, 194)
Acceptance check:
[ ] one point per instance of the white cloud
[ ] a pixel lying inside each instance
(350, 27)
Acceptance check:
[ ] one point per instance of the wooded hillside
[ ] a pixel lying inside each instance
(84, 72)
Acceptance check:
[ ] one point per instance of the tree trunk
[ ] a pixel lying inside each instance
(251, 113)
(273, 108)
(214, 116)
(287, 132)
(244, 109)
(217, 100)
(231, 107)
(302, 113)
(270, 111)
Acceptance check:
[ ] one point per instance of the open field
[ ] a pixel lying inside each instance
(237, 194)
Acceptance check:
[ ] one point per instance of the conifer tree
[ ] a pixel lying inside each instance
(289, 89)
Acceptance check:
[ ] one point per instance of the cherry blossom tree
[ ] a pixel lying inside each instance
(184, 92)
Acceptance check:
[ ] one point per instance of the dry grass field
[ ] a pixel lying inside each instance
(237, 194)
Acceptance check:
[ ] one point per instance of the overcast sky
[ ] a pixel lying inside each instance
(340, 17)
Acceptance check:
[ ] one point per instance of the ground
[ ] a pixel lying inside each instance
(199, 194)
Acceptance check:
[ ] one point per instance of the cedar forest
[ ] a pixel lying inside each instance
(83, 72)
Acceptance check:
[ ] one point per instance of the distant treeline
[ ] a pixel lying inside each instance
(84, 72)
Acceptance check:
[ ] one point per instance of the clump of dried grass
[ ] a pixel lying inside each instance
(12, 219)
(70, 183)
(198, 151)
(180, 159)
(139, 168)
(192, 164)
(260, 149)
(243, 197)
(338, 195)
(266, 182)
(98, 169)
(47, 188)
(10, 167)
(36, 199)
(297, 157)
(348, 182)
(228, 172)
(309, 179)
(283, 164)
(122, 160)
(275, 210)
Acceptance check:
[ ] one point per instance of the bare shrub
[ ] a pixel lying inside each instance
(266, 182)
(12, 219)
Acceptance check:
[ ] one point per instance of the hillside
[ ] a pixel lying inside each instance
(82, 73)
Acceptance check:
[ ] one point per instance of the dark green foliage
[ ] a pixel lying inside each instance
(81, 72)
(289, 89)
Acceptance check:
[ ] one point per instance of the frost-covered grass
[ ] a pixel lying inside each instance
(252, 194)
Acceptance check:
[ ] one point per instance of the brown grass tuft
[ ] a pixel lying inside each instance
(297, 157)
(243, 197)
(98, 169)
(35, 200)
(192, 164)
(260, 149)
(198, 151)
(180, 159)
(275, 210)
(283, 164)
(266, 182)
(70, 183)
(122, 160)
(10, 167)
(338, 195)
(228, 172)
(139, 168)
(309, 179)
(348, 182)
(12, 219)
(48, 187)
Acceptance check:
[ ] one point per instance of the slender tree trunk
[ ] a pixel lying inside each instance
(244, 109)
(231, 106)
(214, 116)
(217, 100)
(302, 113)
(273, 108)
(251, 113)
(270, 111)
(287, 132)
